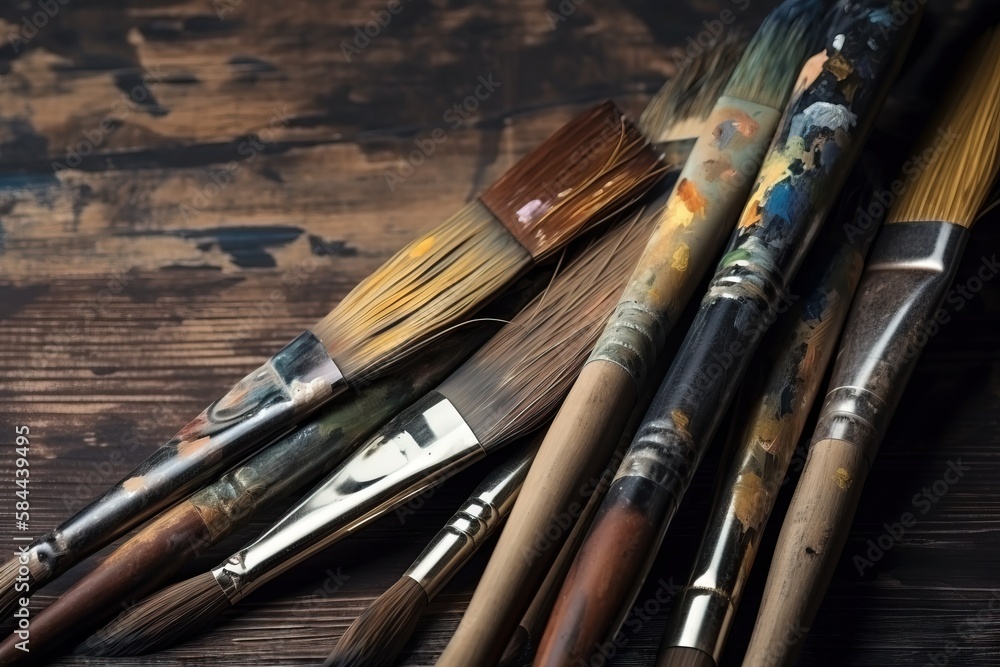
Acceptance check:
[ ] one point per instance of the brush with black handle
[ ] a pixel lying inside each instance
(831, 112)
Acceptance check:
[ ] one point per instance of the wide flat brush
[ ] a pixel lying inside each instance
(587, 170)
(507, 389)
(177, 536)
(778, 396)
(833, 107)
(907, 277)
(378, 635)
(692, 223)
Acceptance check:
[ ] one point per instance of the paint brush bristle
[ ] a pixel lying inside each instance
(378, 635)
(164, 618)
(774, 56)
(681, 107)
(501, 400)
(588, 170)
(8, 579)
(961, 146)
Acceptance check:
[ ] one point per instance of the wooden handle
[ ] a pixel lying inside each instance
(558, 485)
(809, 547)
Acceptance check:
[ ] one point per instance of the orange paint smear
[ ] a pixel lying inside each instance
(188, 448)
(693, 200)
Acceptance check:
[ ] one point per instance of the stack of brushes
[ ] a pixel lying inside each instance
(468, 341)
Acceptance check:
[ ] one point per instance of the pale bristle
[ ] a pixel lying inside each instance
(8, 594)
(164, 618)
(515, 654)
(776, 52)
(379, 634)
(511, 386)
(682, 656)
(427, 286)
(961, 146)
(682, 105)
(590, 169)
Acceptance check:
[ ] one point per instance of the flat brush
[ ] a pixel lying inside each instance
(509, 388)
(907, 277)
(380, 632)
(178, 535)
(782, 384)
(587, 170)
(832, 109)
(692, 223)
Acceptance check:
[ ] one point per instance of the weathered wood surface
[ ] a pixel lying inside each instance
(214, 209)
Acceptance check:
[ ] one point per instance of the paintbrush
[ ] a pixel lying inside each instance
(904, 284)
(831, 112)
(778, 396)
(586, 171)
(177, 536)
(509, 388)
(380, 632)
(693, 222)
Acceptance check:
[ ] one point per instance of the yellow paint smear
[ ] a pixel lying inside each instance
(750, 501)
(843, 479)
(681, 257)
(681, 420)
(421, 248)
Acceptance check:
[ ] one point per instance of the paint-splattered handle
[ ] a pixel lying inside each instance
(262, 406)
(892, 318)
(694, 221)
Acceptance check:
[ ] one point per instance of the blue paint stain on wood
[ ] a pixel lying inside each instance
(246, 245)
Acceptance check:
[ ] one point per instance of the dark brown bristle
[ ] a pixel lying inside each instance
(8, 594)
(380, 632)
(164, 618)
(592, 167)
(514, 383)
(683, 104)
(683, 656)
(515, 653)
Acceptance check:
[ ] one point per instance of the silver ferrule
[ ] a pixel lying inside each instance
(748, 273)
(893, 317)
(632, 339)
(472, 525)
(662, 453)
(701, 620)
(418, 449)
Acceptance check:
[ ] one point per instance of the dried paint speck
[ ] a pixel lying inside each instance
(843, 479)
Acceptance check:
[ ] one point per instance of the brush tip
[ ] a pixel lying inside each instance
(162, 619)
(8, 593)
(378, 635)
(684, 656)
(777, 50)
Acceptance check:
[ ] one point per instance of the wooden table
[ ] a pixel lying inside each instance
(168, 169)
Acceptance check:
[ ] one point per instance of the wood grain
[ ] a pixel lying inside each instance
(134, 287)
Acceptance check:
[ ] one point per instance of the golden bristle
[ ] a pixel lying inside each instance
(431, 283)
(963, 143)
(512, 385)
(587, 171)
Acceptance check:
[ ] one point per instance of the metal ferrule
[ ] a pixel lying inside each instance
(702, 616)
(418, 449)
(263, 406)
(632, 339)
(472, 525)
(750, 274)
(911, 269)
